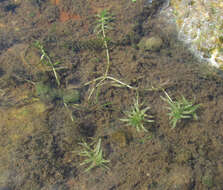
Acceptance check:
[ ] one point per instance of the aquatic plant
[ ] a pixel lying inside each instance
(45, 59)
(180, 109)
(137, 116)
(94, 156)
(103, 25)
(103, 20)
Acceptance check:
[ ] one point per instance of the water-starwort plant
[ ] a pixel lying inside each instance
(94, 156)
(102, 27)
(180, 109)
(104, 18)
(45, 59)
(136, 117)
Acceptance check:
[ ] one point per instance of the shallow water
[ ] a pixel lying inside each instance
(42, 123)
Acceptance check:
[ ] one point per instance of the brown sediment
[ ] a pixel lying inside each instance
(65, 16)
(55, 2)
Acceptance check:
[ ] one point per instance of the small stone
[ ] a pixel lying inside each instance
(153, 43)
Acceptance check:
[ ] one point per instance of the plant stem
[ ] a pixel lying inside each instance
(122, 83)
(44, 55)
(54, 71)
(107, 52)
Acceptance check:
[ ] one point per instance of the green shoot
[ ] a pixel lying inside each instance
(103, 25)
(94, 157)
(137, 116)
(180, 109)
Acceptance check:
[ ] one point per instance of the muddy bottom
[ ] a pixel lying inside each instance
(63, 82)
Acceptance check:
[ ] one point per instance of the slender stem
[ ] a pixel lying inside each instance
(101, 81)
(44, 54)
(71, 117)
(108, 59)
(92, 81)
(122, 83)
(54, 71)
(56, 76)
(106, 47)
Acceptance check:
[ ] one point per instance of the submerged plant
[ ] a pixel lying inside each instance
(46, 60)
(103, 21)
(103, 26)
(180, 109)
(94, 156)
(137, 116)
(104, 18)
